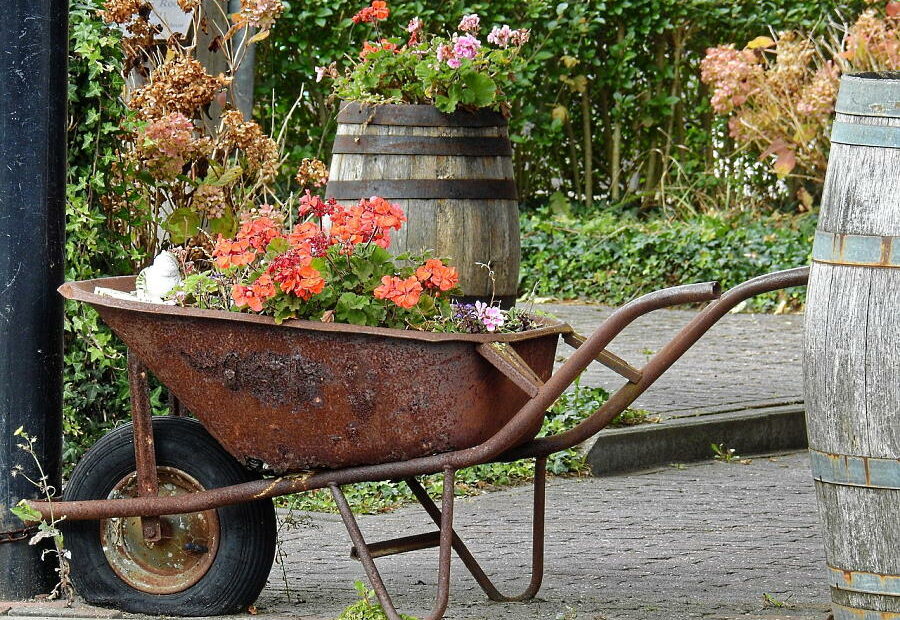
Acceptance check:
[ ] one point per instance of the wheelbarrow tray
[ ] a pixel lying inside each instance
(310, 395)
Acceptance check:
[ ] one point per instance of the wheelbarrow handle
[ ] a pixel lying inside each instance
(657, 365)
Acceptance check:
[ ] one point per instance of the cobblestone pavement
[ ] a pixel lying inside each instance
(701, 541)
(745, 359)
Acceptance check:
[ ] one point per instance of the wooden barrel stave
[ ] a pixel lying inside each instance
(852, 364)
(467, 230)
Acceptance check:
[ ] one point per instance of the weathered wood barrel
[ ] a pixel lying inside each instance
(852, 351)
(453, 176)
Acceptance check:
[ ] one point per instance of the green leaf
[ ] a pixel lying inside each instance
(26, 513)
(481, 90)
(226, 225)
(182, 224)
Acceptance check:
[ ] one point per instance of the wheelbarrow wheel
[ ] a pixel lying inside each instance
(206, 563)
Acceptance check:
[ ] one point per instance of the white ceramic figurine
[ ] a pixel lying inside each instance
(157, 280)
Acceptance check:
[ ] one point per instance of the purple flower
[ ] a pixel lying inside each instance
(489, 315)
(470, 23)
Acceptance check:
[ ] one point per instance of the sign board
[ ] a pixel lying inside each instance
(169, 15)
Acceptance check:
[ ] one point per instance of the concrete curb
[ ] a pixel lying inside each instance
(684, 439)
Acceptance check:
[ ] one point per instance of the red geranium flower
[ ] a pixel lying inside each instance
(295, 275)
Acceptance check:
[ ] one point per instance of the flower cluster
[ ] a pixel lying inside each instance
(187, 157)
(331, 266)
(478, 318)
(376, 12)
(449, 72)
(312, 173)
(259, 13)
(779, 94)
(179, 84)
(733, 73)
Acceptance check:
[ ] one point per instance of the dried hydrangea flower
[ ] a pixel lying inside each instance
(259, 13)
(180, 84)
(312, 173)
(123, 11)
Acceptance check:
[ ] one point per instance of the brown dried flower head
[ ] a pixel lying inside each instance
(180, 84)
(209, 201)
(312, 173)
(122, 11)
(261, 150)
(258, 13)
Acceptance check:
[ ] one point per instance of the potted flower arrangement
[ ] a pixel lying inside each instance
(206, 174)
(423, 121)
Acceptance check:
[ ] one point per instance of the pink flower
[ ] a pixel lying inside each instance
(466, 47)
(320, 73)
(445, 53)
(489, 315)
(414, 26)
(500, 36)
(470, 23)
(521, 36)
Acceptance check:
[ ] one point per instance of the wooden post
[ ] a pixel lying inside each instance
(852, 362)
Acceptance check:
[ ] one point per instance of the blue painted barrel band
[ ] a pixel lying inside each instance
(861, 581)
(858, 250)
(866, 135)
(849, 613)
(862, 95)
(855, 471)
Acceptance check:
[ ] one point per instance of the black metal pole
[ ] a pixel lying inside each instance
(33, 88)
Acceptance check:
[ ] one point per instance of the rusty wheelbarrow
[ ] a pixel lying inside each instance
(173, 516)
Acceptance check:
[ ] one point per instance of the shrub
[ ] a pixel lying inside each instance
(611, 258)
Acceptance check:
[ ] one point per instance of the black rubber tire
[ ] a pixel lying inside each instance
(247, 532)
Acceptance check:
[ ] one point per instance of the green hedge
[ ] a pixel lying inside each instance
(612, 258)
(610, 86)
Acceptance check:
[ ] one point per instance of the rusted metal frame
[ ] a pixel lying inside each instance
(144, 448)
(426, 189)
(368, 561)
(404, 544)
(500, 443)
(463, 146)
(537, 549)
(658, 364)
(607, 358)
(505, 359)
(176, 408)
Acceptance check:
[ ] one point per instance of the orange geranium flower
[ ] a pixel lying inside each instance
(404, 293)
(377, 11)
(295, 274)
(369, 48)
(253, 296)
(259, 232)
(230, 253)
(435, 274)
(387, 215)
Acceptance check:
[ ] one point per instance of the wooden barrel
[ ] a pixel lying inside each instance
(852, 351)
(453, 176)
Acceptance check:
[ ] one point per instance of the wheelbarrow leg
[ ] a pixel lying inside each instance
(537, 553)
(144, 449)
(368, 562)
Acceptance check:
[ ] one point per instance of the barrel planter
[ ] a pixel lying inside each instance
(453, 176)
(852, 351)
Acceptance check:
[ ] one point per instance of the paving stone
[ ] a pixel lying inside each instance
(745, 359)
(58, 609)
(706, 541)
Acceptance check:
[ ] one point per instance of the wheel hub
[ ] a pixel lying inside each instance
(182, 556)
